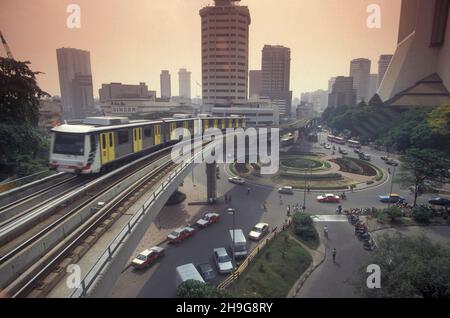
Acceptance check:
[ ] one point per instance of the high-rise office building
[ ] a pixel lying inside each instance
(225, 45)
(383, 64)
(360, 71)
(331, 82)
(276, 72)
(166, 86)
(184, 81)
(255, 78)
(343, 93)
(119, 90)
(75, 81)
(373, 86)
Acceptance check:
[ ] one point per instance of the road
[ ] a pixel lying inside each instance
(329, 280)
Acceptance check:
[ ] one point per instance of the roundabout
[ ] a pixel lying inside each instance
(315, 171)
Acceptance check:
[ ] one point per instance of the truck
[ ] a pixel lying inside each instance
(240, 244)
(187, 272)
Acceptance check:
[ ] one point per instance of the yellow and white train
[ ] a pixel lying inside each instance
(100, 143)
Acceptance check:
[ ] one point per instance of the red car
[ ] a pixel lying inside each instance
(147, 257)
(208, 219)
(180, 235)
(328, 198)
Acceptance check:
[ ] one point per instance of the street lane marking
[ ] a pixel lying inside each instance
(330, 218)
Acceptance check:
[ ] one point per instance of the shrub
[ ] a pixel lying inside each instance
(392, 213)
(195, 289)
(422, 214)
(304, 227)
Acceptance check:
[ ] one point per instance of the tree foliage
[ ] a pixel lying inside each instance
(195, 289)
(411, 267)
(19, 93)
(304, 227)
(439, 120)
(421, 170)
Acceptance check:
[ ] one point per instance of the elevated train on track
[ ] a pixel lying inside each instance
(98, 144)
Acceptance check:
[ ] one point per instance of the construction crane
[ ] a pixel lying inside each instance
(5, 44)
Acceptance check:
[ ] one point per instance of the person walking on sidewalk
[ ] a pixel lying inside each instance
(334, 255)
(325, 231)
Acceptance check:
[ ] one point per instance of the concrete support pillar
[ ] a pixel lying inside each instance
(211, 182)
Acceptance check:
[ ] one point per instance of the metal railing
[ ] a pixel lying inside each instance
(12, 184)
(113, 247)
(237, 273)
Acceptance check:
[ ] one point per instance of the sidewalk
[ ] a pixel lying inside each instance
(318, 257)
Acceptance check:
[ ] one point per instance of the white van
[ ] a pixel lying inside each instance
(186, 272)
(240, 243)
(286, 190)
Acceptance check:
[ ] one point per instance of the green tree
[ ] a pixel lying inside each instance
(19, 93)
(195, 289)
(420, 170)
(411, 267)
(439, 120)
(422, 214)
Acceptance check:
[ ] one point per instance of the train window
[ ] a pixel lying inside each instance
(69, 144)
(111, 140)
(93, 145)
(147, 132)
(122, 136)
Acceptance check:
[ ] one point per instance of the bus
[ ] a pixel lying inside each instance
(354, 144)
(335, 139)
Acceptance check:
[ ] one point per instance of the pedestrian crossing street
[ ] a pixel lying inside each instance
(330, 218)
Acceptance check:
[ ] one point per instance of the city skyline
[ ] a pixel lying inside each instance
(119, 53)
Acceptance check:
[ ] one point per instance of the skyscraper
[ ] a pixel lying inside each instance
(276, 71)
(184, 79)
(166, 87)
(255, 83)
(225, 39)
(343, 93)
(360, 71)
(383, 64)
(75, 81)
(373, 86)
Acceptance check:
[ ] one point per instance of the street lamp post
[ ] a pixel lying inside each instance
(232, 212)
(392, 186)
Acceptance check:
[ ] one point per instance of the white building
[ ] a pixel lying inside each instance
(225, 45)
(166, 86)
(259, 113)
(141, 106)
(419, 72)
(75, 82)
(184, 80)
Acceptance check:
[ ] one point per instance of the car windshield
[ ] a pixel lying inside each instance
(175, 233)
(141, 257)
(240, 248)
(257, 229)
(224, 258)
(69, 144)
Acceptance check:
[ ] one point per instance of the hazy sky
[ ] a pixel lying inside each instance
(132, 41)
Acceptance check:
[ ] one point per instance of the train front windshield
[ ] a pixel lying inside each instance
(69, 144)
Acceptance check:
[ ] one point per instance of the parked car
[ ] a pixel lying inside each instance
(147, 257)
(208, 219)
(391, 162)
(393, 198)
(286, 190)
(328, 146)
(259, 231)
(206, 271)
(236, 180)
(439, 201)
(223, 261)
(384, 158)
(357, 151)
(328, 198)
(343, 151)
(180, 235)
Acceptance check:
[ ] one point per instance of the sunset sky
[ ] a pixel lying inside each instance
(132, 41)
